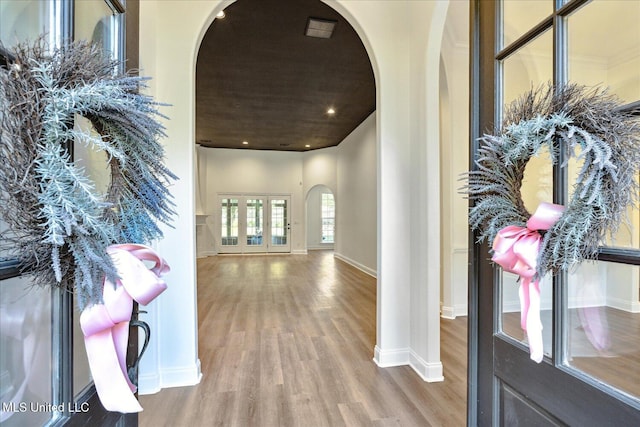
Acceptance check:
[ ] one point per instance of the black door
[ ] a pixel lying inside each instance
(585, 378)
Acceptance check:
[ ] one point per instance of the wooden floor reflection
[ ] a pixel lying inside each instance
(608, 350)
(287, 340)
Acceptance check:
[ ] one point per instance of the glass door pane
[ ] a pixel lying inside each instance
(603, 327)
(254, 221)
(603, 304)
(604, 49)
(229, 223)
(254, 224)
(520, 15)
(26, 353)
(279, 227)
(603, 46)
(23, 20)
(529, 67)
(93, 22)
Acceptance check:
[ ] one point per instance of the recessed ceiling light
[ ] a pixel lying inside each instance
(221, 14)
(245, 143)
(320, 28)
(331, 111)
(308, 146)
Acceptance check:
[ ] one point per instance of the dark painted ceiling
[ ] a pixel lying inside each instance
(260, 79)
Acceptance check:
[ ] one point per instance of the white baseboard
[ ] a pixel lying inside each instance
(453, 312)
(429, 372)
(170, 377)
(371, 272)
(205, 254)
(389, 358)
(149, 383)
(299, 252)
(320, 247)
(624, 304)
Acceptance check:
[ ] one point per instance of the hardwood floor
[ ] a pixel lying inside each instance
(287, 340)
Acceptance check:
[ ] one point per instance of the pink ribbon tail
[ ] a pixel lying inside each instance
(516, 250)
(106, 326)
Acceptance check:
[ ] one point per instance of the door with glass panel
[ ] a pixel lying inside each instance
(590, 373)
(254, 223)
(279, 225)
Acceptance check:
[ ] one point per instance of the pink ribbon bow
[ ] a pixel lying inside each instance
(106, 326)
(516, 250)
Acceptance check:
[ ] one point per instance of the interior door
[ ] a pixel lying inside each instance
(279, 224)
(582, 380)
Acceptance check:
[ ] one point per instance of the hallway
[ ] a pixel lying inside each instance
(287, 340)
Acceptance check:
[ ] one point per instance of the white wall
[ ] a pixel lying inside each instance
(356, 201)
(172, 356)
(319, 174)
(256, 172)
(426, 22)
(403, 39)
(319, 168)
(454, 160)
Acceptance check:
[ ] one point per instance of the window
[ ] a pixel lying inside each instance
(328, 214)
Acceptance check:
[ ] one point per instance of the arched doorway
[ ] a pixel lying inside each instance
(408, 184)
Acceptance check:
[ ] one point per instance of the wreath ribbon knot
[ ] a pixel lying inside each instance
(106, 326)
(516, 250)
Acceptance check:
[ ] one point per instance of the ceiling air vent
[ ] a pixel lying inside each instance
(320, 28)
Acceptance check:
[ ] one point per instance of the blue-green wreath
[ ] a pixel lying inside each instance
(587, 124)
(58, 224)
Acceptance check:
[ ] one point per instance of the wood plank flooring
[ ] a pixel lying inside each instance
(287, 340)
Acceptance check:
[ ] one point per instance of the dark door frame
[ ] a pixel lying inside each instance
(481, 321)
(97, 416)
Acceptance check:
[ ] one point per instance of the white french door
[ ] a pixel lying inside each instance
(254, 223)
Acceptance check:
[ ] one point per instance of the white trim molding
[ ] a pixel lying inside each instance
(172, 377)
(447, 312)
(390, 358)
(429, 372)
(371, 272)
